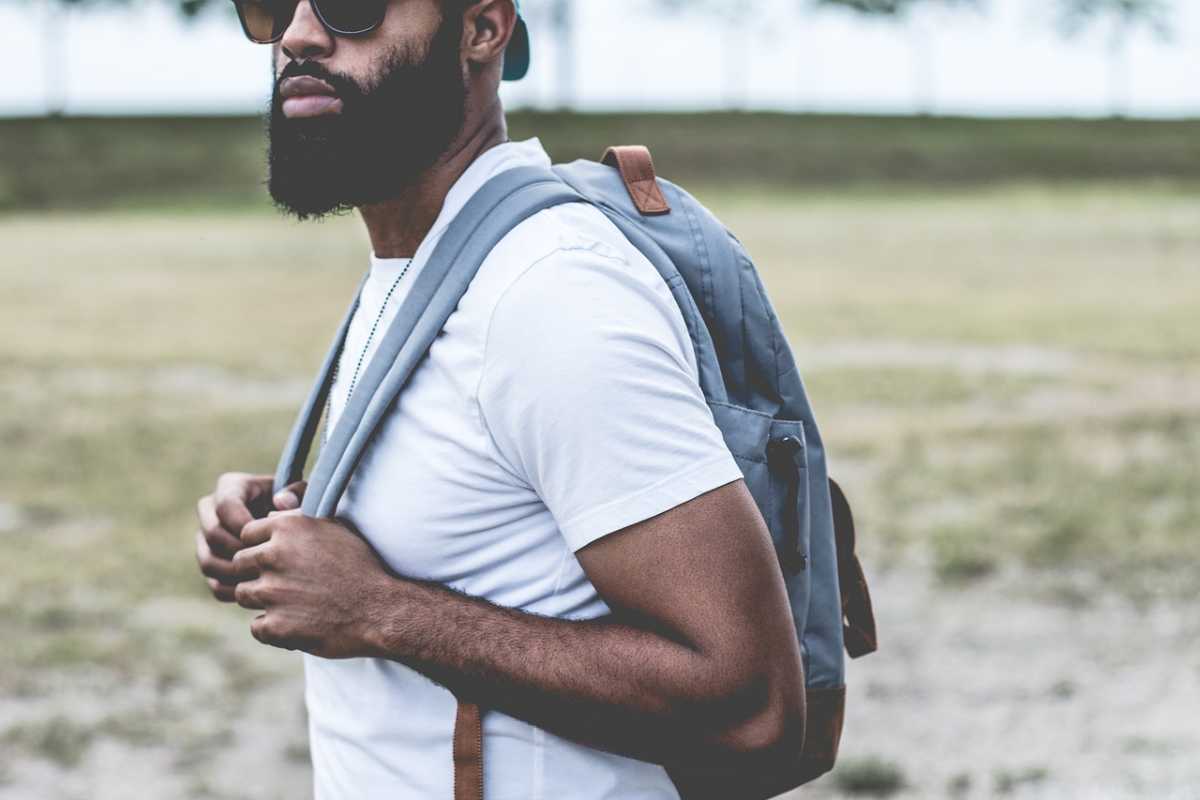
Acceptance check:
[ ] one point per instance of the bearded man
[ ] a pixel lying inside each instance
(548, 521)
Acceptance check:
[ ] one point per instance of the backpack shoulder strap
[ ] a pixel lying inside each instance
(500, 205)
(304, 431)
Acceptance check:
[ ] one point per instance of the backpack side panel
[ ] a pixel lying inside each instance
(821, 632)
(762, 397)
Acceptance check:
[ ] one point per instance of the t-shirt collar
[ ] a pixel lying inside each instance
(488, 164)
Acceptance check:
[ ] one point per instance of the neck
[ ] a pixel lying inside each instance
(398, 226)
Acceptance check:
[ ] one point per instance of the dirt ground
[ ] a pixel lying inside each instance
(980, 692)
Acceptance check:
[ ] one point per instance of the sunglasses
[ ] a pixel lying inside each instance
(264, 21)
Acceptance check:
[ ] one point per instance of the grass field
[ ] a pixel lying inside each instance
(90, 163)
(1006, 377)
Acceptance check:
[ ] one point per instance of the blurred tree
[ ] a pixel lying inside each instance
(1123, 18)
(735, 17)
(922, 53)
(56, 18)
(893, 8)
(54, 57)
(557, 19)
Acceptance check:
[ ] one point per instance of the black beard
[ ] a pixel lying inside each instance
(384, 137)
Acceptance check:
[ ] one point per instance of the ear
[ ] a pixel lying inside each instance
(487, 27)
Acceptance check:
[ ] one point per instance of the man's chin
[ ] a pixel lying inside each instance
(314, 199)
(310, 191)
(304, 211)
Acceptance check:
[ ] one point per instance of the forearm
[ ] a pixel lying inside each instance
(607, 684)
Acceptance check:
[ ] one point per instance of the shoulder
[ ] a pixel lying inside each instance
(572, 233)
(567, 279)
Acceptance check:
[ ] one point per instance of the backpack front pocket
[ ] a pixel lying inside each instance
(773, 458)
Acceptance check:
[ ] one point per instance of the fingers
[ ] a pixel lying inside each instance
(234, 494)
(233, 513)
(289, 497)
(270, 628)
(253, 561)
(220, 591)
(220, 574)
(212, 565)
(258, 532)
(250, 594)
(222, 516)
(261, 530)
(222, 543)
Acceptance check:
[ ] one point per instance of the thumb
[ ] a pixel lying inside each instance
(289, 497)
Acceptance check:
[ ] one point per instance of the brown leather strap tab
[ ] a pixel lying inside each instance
(858, 615)
(468, 752)
(637, 170)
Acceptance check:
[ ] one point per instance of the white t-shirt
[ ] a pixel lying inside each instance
(560, 403)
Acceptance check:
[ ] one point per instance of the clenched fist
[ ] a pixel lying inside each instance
(319, 584)
(238, 499)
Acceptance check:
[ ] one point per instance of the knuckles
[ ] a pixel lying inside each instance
(208, 566)
(257, 593)
(262, 629)
(267, 556)
(230, 482)
(268, 629)
(250, 594)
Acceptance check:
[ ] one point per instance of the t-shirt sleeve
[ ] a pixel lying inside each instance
(589, 394)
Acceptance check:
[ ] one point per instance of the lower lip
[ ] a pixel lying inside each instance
(311, 105)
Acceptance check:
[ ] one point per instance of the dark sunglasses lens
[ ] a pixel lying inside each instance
(265, 20)
(352, 16)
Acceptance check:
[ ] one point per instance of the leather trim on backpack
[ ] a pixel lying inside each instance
(858, 615)
(825, 711)
(637, 170)
(824, 714)
(468, 752)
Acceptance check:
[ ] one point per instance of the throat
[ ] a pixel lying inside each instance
(397, 227)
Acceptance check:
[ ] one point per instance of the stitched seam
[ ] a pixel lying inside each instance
(736, 407)
(589, 514)
(701, 250)
(758, 288)
(747, 342)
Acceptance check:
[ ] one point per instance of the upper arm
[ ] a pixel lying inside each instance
(705, 573)
(590, 394)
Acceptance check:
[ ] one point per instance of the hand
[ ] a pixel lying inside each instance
(223, 514)
(317, 581)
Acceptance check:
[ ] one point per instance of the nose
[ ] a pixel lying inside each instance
(305, 36)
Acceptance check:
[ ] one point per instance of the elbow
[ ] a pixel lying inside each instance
(775, 731)
(764, 716)
(758, 756)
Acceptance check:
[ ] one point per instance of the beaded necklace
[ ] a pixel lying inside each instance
(361, 356)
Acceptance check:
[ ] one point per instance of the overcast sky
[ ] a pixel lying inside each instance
(1008, 60)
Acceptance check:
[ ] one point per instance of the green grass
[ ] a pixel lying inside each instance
(977, 351)
(58, 740)
(213, 162)
(869, 777)
(1006, 380)
(1009, 781)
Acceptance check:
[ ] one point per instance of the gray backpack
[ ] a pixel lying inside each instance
(748, 377)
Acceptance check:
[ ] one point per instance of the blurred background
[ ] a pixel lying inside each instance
(979, 222)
